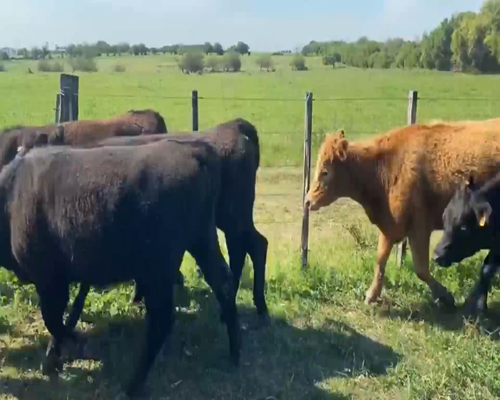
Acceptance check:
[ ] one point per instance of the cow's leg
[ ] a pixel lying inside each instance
(477, 300)
(78, 305)
(236, 249)
(219, 277)
(138, 295)
(54, 300)
(257, 249)
(76, 311)
(383, 252)
(158, 297)
(419, 243)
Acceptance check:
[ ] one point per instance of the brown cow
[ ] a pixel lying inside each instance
(79, 133)
(404, 179)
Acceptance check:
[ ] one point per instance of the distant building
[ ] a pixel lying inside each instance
(10, 51)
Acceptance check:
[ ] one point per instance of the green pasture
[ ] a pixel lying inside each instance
(323, 343)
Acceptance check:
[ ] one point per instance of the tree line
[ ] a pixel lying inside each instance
(467, 41)
(103, 48)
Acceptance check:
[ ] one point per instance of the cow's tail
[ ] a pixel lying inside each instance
(250, 131)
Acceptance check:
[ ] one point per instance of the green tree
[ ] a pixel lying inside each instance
(24, 53)
(103, 47)
(218, 49)
(208, 48)
(265, 61)
(298, 62)
(232, 61)
(242, 48)
(191, 62)
(213, 63)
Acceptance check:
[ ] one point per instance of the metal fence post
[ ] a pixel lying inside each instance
(194, 101)
(307, 176)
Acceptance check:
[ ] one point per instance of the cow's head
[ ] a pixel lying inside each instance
(467, 226)
(330, 178)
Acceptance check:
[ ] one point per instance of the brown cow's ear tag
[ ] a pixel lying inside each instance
(482, 221)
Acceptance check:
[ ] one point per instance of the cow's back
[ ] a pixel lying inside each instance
(112, 204)
(424, 164)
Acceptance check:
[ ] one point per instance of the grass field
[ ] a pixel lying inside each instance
(324, 343)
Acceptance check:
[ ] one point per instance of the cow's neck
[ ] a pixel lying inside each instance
(365, 164)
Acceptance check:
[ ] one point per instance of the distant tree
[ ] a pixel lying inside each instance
(191, 62)
(36, 53)
(103, 47)
(24, 53)
(113, 49)
(312, 48)
(332, 59)
(4, 56)
(213, 63)
(298, 62)
(232, 61)
(153, 50)
(71, 50)
(380, 59)
(45, 51)
(218, 49)
(122, 48)
(242, 48)
(208, 48)
(265, 61)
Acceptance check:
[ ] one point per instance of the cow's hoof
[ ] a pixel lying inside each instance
(264, 320)
(446, 301)
(475, 306)
(372, 295)
(235, 360)
(52, 365)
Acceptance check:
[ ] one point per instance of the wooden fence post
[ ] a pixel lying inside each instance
(307, 176)
(412, 119)
(69, 98)
(194, 101)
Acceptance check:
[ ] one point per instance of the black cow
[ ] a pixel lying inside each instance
(236, 142)
(108, 215)
(471, 223)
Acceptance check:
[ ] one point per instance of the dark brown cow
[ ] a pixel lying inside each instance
(79, 133)
(404, 180)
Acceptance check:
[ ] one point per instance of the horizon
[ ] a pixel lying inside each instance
(26, 24)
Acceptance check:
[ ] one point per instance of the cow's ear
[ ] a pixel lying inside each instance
(342, 147)
(469, 183)
(341, 134)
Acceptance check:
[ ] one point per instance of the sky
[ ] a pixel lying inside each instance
(263, 24)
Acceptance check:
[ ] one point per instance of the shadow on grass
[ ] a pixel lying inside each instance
(450, 320)
(279, 362)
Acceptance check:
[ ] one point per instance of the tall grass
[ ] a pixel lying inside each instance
(83, 64)
(49, 66)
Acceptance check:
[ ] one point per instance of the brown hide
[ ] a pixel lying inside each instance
(404, 179)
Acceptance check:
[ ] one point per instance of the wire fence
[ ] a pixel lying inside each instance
(280, 123)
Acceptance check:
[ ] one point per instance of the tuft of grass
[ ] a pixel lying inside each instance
(83, 64)
(119, 68)
(48, 66)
